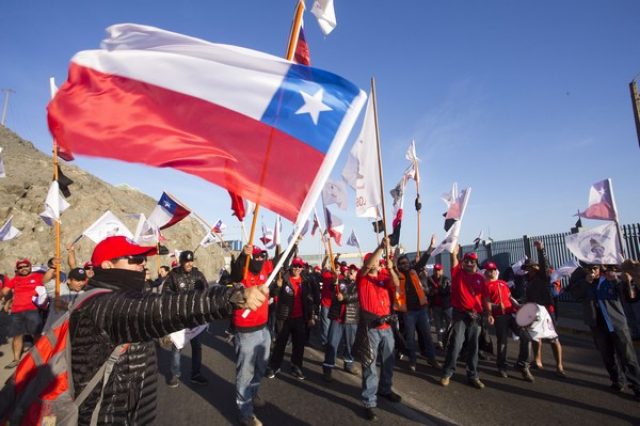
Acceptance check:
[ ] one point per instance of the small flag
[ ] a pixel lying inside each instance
(146, 234)
(54, 205)
(208, 239)
(267, 234)
(277, 232)
(450, 241)
(168, 212)
(326, 15)
(394, 238)
(219, 227)
(378, 226)
(335, 192)
(64, 182)
(302, 55)
(316, 223)
(335, 227)
(412, 172)
(602, 205)
(2, 172)
(456, 205)
(596, 246)
(108, 225)
(353, 239)
(303, 231)
(8, 231)
(238, 206)
(565, 270)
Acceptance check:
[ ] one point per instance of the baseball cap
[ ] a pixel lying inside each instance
(23, 262)
(472, 255)
(118, 246)
(78, 274)
(353, 266)
(87, 265)
(257, 250)
(490, 266)
(437, 267)
(186, 256)
(297, 261)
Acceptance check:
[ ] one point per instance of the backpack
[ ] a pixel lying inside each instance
(40, 392)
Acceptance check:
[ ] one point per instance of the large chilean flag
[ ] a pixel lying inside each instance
(260, 126)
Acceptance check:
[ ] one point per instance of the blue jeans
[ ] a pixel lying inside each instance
(336, 331)
(325, 322)
(419, 320)
(441, 321)
(196, 358)
(252, 355)
(382, 343)
(461, 330)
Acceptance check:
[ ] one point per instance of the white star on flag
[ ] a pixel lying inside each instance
(313, 105)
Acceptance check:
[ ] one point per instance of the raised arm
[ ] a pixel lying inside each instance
(426, 255)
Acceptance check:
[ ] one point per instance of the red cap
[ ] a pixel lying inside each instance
(118, 246)
(23, 262)
(297, 261)
(353, 266)
(437, 267)
(367, 257)
(472, 255)
(87, 265)
(490, 266)
(257, 250)
(174, 264)
(317, 268)
(344, 269)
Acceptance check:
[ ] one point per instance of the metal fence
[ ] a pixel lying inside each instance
(506, 252)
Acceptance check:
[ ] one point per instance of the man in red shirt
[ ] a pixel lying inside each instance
(25, 318)
(466, 300)
(498, 301)
(376, 291)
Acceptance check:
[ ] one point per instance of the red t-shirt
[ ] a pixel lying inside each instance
(498, 291)
(24, 287)
(296, 284)
(326, 297)
(373, 294)
(466, 290)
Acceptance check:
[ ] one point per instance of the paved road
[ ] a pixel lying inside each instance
(581, 399)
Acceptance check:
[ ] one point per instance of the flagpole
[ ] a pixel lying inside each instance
(375, 119)
(615, 219)
(293, 39)
(418, 209)
(57, 221)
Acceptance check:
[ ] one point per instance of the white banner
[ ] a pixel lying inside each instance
(596, 246)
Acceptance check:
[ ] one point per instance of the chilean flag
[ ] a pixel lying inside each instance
(602, 205)
(168, 212)
(335, 227)
(238, 118)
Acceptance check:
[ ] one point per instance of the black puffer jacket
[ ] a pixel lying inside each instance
(285, 298)
(538, 289)
(350, 302)
(127, 315)
(180, 280)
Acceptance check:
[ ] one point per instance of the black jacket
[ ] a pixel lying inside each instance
(180, 280)
(127, 315)
(351, 314)
(285, 297)
(538, 288)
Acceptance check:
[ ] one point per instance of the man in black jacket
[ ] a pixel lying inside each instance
(182, 279)
(602, 311)
(126, 315)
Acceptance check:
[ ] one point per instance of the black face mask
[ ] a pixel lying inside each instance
(255, 266)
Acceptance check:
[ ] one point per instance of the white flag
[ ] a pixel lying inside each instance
(8, 231)
(303, 231)
(564, 271)
(361, 171)
(180, 338)
(596, 246)
(267, 235)
(277, 232)
(353, 239)
(108, 225)
(326, 15)
(397, 194)
(208, 239)
(517, 267)
(146, 233)
(2, 172)
(450, 241)
(54, 205)
(335, 192)
(412, 171)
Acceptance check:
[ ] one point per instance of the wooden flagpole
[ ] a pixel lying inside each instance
(293, 40)
(57, 221)
(375, 119)
(418, 210)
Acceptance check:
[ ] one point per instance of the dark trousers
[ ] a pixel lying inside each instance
(297, 330)
(463, 330)
(505, 325)
(618, 343)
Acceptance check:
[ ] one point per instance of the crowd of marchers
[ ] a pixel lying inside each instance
(369, 315)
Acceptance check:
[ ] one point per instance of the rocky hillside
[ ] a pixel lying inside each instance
(23, 192)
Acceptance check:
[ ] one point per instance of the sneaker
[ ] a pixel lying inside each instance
(370, 414)
(476, 383)
(326, 375)
(258, 402)
(444, 381)
(173, 382)
(198, 380)
(503, 373)
(349, 368)
(391, 396)
(271, 373)
(12, 364)
(434, 363)
(526, 375)
(250, 421)
(297, 373)
(412, 367)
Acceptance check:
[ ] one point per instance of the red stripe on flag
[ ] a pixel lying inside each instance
(103, 115)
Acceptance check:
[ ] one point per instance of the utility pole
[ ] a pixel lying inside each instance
(5, 106)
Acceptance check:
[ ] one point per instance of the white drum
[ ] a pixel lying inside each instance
(527, 314)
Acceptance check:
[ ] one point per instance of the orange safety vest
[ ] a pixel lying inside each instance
(401, 296)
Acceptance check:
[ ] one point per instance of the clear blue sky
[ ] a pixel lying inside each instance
(526, 102)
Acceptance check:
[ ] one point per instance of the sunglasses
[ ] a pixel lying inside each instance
(132, 260)
(260, 256)
(89, 268)
(297, 266)
(23, 267)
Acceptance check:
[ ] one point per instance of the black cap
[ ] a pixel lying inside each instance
(78, 274)
(186, 256)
